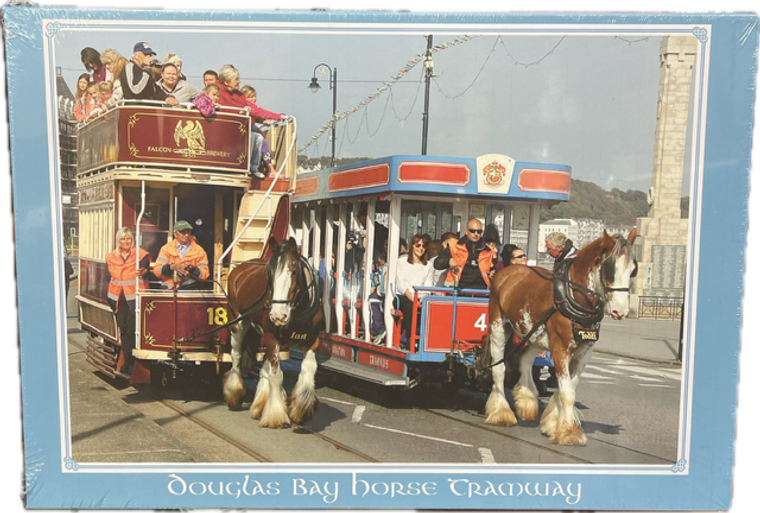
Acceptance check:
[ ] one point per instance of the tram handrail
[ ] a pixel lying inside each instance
(159, 103)
(267, 195)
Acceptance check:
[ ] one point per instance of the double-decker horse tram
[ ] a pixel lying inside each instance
(145, 166)
(351, 221)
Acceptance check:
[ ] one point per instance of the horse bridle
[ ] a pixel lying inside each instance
(608, 269)
(293, 299)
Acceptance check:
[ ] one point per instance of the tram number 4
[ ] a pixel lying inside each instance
(217, 316)
(481, 323)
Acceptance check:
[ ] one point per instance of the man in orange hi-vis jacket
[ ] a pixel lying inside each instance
(183, 262)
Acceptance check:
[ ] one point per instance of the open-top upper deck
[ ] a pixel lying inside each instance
(491, 175)
(138, 135)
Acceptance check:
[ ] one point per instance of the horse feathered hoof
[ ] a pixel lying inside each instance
(498, 412)
(274, 418)
(234, 390)
(302, 413)
(526, 403)
(572, 435)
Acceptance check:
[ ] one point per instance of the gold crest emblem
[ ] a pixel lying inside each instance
(494, 174)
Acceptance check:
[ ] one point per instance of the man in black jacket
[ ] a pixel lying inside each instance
(469, 259)
(560, 248)
(136, 80)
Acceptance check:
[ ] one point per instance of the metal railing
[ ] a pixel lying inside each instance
(660, 307)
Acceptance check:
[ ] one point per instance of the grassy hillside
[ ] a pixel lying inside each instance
(588, 200)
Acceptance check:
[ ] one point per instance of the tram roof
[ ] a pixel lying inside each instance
(494, 175)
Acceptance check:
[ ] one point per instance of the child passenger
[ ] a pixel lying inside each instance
(208, 100)
(266, 155)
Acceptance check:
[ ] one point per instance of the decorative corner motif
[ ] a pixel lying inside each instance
(133, 119)
(241, 158)
(70, 463)
(701, 34)
(243, 129)
(133, 150)
(680, 466)
(150, 339)
(51, 29)
(150, 307)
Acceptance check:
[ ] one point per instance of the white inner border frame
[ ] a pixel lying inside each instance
(703, 32)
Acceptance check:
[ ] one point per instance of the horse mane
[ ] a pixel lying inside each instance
(595, 252)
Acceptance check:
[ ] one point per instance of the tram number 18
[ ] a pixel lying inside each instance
(216, 316)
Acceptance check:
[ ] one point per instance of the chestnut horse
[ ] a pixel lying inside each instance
(280, 299)
(558, 313)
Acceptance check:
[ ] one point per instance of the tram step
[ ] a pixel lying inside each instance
(355, 370)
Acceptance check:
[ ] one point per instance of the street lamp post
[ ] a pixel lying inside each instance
(314, 87)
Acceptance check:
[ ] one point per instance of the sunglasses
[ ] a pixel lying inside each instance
(520, 256)
(420, 245)
(474, 231)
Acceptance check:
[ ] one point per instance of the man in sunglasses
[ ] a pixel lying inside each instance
(469, 261)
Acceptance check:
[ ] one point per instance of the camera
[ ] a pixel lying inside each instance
(353, 237)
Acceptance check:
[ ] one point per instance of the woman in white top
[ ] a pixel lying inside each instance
(413, 271)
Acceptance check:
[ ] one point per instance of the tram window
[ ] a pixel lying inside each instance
(519, 222)
(430, 217)
(154, 225)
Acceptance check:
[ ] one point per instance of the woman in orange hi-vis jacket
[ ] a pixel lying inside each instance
(126, 277)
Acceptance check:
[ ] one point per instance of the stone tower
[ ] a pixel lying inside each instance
(661, 246)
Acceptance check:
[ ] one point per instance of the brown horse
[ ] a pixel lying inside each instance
(280, 299)
(558, 313)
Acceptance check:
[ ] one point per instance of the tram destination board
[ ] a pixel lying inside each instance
(401, 422)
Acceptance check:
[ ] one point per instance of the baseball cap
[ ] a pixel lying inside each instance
(182, 225)
(144, 48)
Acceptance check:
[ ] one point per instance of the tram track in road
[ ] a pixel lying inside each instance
(508, 436)
(154, 394)
(544, 448)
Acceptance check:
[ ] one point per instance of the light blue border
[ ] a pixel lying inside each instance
(707, 485)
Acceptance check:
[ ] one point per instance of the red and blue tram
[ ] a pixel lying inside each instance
(351, 221)
(146, 166)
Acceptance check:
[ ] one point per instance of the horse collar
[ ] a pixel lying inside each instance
(567, 305)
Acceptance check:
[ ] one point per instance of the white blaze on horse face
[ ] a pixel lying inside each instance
(619, 305)
(279, 312)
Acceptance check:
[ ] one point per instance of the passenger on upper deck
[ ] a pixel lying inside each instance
(82, 98)
(183, 259)
(469, 260)
(174, 86)
(210, 77)
(231, 96)
(266, 155)
(91, 61)
(115, 63)
(82, 110)
(136, 80)
(177, 61)
(207, 101)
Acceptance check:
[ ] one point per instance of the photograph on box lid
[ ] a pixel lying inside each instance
(389, 260)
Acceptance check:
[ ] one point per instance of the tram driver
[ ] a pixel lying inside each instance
(470, 261)
(183, 262)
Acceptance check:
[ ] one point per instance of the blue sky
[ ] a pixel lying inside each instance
(584, 101)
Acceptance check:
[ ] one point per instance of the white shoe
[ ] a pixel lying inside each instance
(258, 174)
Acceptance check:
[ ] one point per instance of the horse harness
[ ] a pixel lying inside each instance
(265, 301)
(586, 320)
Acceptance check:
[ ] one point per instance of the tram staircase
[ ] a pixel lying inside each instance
(260, 202)
(252, 239)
